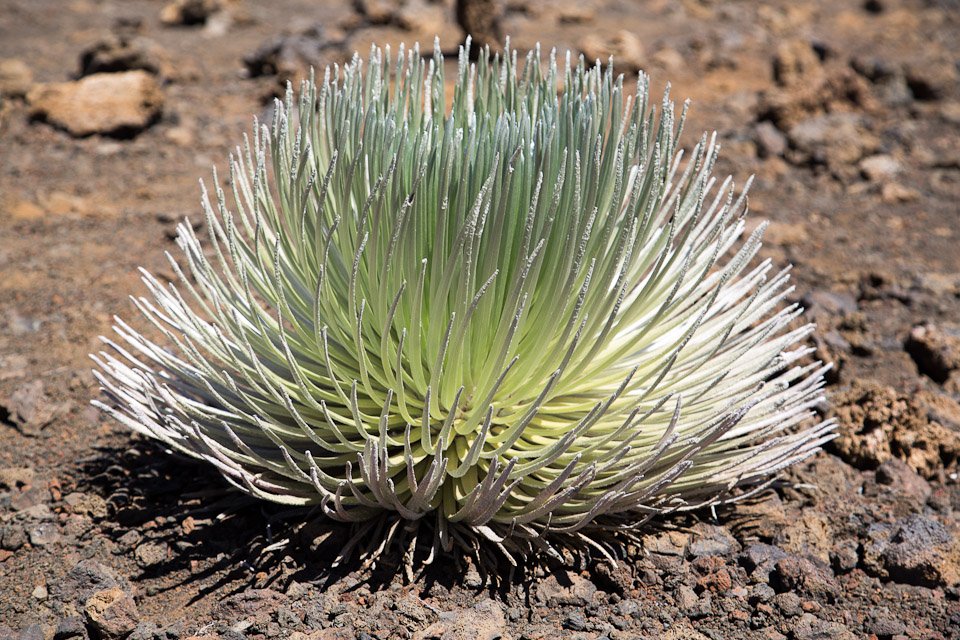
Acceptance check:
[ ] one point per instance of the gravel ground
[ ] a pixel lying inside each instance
(847, 113)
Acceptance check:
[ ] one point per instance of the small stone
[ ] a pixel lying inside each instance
(377, 11)
(112, 613)
(16, 477)
(71, 628)
(760, 558)
(935, 350)
(923, 552)
(844, 556)
(83, 580)
(121, 53)
(833, 139)
(39, 592)
(771, 143)
(892, 193)
(12, 537)
(565, 589)
(87, 504)
(24, 210)
(879, 168)
(625, 47)
(289, 56)
(931, 79)
(628, 609)
(32, 632)
(796, 574)
(794, 62)
(783, 234)
(15, 78)
(30, 410)
(788, 604)
(151, 554)
(43, 534)
(905, 484)
(189, 12)
(668, 58)
(884, 625)
(483, 621)
(482, 19)
(762, 592)
(119, 104)
(692, 605)
(575, 622)
(809, 627)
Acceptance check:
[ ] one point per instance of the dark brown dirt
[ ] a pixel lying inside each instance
(847, 112)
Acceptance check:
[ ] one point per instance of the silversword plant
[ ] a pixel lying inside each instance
(517, 313)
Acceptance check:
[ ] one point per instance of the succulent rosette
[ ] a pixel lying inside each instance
(518, 313)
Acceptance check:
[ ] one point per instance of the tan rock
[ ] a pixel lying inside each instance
(24, 210)
(877, 423)
(106, 103)
(625, 47)
(112, 613)
(15, 77)
(189, 12)
(794, 62)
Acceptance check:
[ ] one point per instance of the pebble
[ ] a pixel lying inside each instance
(935, 350)
(119, 104)
(833, 139)
(12, 537)
(800, 575)
(29, 408)
(922, 551)
(483, 621)
(844, 556)
(123, 53)
(87, 504)
(759, 559)
(15, 78)
(892, 193)
(288, 56)
(879, 168)
(626, 48)
(566, 588)
(931, 79)
(43, 534)
(189, 12)
(788, 604)
(575, 622)
(809, 627)
(112, 613)
(906, 485)
(794, 62)
(71, 628)
(151, 554)
(83, 580)
(771, 142)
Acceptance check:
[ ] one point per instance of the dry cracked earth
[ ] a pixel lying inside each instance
(847, 113)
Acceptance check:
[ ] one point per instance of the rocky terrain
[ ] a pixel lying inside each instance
(847, 113)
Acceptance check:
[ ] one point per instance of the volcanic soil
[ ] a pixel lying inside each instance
(846, 112)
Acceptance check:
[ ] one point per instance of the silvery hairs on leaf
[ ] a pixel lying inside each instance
(518, 314)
